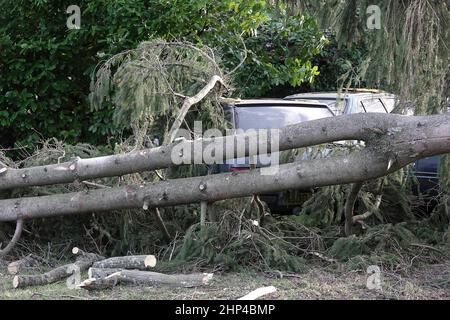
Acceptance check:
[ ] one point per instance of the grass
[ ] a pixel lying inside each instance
(425, 282)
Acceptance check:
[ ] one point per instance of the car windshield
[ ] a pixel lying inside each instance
(272, 117)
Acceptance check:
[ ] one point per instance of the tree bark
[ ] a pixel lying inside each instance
(387, 150)
(348, 127)
(141, 262)
(350, 205)
(83, 262)
(101, 273)
(137, 277)
(91, 284)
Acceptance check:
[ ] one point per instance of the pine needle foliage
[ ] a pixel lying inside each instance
(149, 83)
(408, 55)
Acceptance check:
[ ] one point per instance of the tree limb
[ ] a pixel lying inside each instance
(350, 205)
(364, 127)
(416, 138)
(15, 238)
(187, 104)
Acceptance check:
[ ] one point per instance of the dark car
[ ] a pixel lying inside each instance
(272, 114)
(426, 172)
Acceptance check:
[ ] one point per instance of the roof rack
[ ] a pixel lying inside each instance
(364, 90)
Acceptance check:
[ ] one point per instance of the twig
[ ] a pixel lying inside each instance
(426, 247)
(93, 184)
(242, 61)
(162, 225)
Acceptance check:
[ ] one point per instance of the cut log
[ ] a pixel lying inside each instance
(100, 273)
(403, 143)
(255, 294)
(26, 263)
(77, 251)
(99, 283)
(142, 262)
(392, 142)
(137, 277)
(308, 133)
(83, 262)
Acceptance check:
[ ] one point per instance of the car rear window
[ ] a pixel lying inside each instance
(271, 117)
(373, 105)
(336, 105)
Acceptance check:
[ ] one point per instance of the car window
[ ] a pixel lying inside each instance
(336, 105)
(271, 117)
(373, 105)
(389, 103)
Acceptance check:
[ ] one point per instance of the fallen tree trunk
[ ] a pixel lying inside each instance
(136, 277)
(349, 127)
(141, 262)
(83, 262)
(386, 152)
(100, 273)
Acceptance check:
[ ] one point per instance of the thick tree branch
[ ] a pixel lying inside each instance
(15, 238)
(350, 205)
(423, 137)
(367, 127)
(369, 213)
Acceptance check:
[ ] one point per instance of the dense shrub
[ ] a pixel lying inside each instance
(46, 68)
